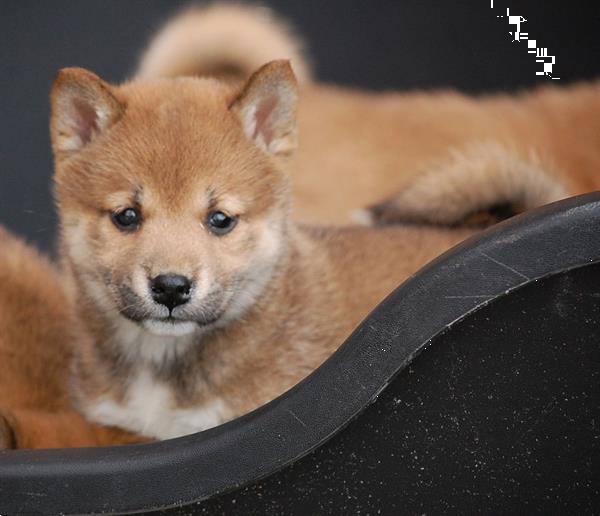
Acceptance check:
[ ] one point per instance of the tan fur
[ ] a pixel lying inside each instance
(226, 40)
(455, 190)
(359, 148)
(37, 328)
(285, 296)
(176, 146)
(373, 145)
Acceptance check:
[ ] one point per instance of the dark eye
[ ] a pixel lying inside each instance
(128, 219)
(220, 223)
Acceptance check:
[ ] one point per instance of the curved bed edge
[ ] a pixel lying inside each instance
(542, 242)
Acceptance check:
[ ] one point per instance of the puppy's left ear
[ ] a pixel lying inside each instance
(267, 108)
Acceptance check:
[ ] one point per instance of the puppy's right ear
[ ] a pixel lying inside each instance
(83, 106)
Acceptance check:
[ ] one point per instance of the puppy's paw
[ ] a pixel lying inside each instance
(8, 439)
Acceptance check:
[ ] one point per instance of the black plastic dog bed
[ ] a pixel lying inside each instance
(474, 387)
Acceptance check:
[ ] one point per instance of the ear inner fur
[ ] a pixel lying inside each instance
(267, 108)
(83, 106)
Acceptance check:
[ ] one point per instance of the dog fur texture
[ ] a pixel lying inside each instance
(274, 298)
(392, 152)
(37, 328)
(270, 300)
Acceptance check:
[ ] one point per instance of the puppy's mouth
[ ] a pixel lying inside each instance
(207, 321)
(163, 321)
(173, 326)
(169, 326)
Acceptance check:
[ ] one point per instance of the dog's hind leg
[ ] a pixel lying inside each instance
(30, 428)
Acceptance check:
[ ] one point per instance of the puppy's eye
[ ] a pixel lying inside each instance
(128, 219)
(219, 223)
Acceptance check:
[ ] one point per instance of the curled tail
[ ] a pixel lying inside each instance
(224, 40)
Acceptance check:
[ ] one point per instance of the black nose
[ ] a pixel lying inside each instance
(170, 290)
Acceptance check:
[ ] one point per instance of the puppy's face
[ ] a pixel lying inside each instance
(173, 208)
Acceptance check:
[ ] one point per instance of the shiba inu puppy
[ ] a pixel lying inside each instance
(195, 295)
(37, 328)
(439, 157)
(198, 296)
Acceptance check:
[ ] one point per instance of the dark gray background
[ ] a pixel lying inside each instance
(400, 44)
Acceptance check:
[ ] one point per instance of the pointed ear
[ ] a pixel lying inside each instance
(267, 108)
(83, 106)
